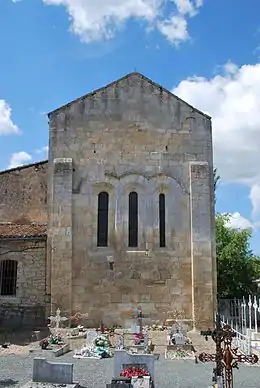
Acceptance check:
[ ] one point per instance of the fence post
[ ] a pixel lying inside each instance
(250, 342)
(255, 306)
(239, 315)
(243, 306)
(250, 312)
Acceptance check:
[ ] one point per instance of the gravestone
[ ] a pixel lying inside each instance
(47, 374)
(146, 341)
(178, 333)
(119, 342)
(123, 359)
(121, 382)
(75, 332)
(178, 346)
(91, 336)
(88, 350)
(143, 382)
(178, 339)
(135, 329)
(57, 319)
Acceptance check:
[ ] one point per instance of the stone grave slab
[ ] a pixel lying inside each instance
(123, 359)
(50, 374)
(173, 352)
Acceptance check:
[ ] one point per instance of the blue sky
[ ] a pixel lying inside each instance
(206, 51)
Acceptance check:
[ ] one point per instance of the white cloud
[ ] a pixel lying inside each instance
(175, 28)
(6, 124)
(94, 20)
(99, 19)
(188, 7)
(19, 158)
(233, 101)
(237, 221)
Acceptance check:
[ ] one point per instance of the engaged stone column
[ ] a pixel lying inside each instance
(61, 240)
(203, 300)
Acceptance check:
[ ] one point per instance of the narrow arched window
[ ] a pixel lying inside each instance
(102, 221)
(8, 277)
(162, 219)
(133, 220)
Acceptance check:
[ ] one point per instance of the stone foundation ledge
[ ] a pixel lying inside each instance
(34, 384)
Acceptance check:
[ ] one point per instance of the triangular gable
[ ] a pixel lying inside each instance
(133, 74)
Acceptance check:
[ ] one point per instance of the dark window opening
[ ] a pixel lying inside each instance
(162, 219)
(133, 220)
(102, 222)
(8, 277)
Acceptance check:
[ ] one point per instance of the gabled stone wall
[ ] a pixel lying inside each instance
(131, 136)
(23, 194)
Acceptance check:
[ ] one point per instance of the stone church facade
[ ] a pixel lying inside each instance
(122, 214)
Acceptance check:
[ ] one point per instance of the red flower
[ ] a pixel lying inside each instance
(134, 372)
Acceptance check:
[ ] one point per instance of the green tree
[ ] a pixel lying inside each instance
(237, 266)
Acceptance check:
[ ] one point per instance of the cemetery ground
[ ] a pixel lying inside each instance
(17, 360)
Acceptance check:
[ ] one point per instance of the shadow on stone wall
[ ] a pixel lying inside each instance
(22, 316)
(19, 322)
(8, 383)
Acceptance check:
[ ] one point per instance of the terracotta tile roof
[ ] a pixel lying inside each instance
(9, 230)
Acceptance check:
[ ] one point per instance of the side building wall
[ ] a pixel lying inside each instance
(23, 206)
(23, 194)
(27, 307)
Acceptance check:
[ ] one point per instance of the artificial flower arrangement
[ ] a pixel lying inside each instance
(44, 343)
(102, 346)
(139, 338)
(75, 319)
(134, 371)
(102, 341)
(55, 339)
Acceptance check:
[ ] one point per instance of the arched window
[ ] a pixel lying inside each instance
(8, 277)
(133, 220)
(162, 219)
(102, 221)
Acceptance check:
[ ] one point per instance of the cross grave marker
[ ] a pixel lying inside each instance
(57, 319)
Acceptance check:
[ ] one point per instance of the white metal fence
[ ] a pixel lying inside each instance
(243, 315)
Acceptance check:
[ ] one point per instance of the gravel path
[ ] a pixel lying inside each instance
(96, 373)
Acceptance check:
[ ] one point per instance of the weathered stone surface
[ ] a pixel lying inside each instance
(130, 136)
(27, 307)
(52, 372)
(23, 193)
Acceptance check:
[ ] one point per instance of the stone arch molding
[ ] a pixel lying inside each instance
(138, 182)
(148, 190)
(131, 181)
